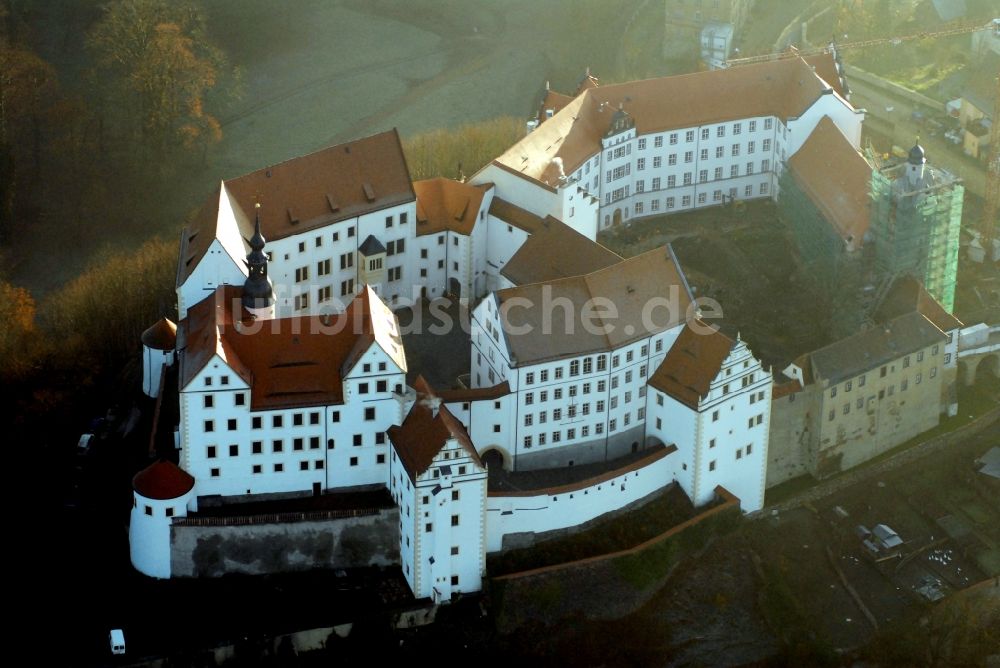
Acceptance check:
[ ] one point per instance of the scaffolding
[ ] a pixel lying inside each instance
(916, 218)
(838, 275)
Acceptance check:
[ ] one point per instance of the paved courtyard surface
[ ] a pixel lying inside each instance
(437, 343)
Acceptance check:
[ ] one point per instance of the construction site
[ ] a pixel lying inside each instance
(906, 221)
(742, 256)
(916, 219)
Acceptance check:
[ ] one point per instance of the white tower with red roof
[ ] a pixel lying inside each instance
(160, 493)
(439, 483)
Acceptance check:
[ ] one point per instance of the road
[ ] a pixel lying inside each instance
(897, 125)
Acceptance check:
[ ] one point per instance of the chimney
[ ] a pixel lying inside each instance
(432, 403)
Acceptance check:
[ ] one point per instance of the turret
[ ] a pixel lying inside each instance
(915, 165)
(158, 344)
(621, 121)
(258, 295)
(160, 493)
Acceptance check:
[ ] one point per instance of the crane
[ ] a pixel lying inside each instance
(991, 206)
(792, 52)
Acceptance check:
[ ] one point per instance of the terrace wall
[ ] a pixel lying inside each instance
(256, 545)
(617, 583)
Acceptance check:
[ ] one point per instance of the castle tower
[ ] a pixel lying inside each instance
(258, 295)
(916, 215)
(158, 344)
(915, 165)
(160, 492)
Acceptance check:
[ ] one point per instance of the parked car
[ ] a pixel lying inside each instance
(885, 537)
(116, 640)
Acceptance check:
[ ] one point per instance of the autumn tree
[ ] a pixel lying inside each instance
(17, 330)
(28, 87)
(102, 313)
(159, 63)
(460, 151)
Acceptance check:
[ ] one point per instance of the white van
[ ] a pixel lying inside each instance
(116, 638)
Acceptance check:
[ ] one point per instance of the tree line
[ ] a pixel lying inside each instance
(75, 162)
(73, 154)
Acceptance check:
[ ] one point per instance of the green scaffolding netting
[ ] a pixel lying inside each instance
(916, 229)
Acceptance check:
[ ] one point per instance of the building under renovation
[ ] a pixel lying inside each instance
(859, 226)
(916, 219)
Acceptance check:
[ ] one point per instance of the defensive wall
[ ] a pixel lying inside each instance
(521, 519)
(617, 583)
(282, 542)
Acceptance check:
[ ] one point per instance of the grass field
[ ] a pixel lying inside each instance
(320, 72)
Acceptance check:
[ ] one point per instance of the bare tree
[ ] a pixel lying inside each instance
(160, 65)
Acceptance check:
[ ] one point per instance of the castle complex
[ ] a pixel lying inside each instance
(291, 365)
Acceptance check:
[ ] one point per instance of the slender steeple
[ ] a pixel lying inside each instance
(258, 296)
(915, 164)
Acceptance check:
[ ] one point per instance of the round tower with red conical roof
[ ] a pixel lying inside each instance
(160, 493)
(158, 345)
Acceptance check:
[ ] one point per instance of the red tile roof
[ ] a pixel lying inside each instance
(332, 184)
(446, 204)
(515, 215)
(554, 101)
(161, 336)
(212, 222)
(825, 67)
(537, 260)
(476, 394)
(427, 428)
(907, 295)
(782, 88)
(691, 365)
(162, 480)
(290, 362)
(308, 192)
(536, 329)
(785, 389)
(836, 178)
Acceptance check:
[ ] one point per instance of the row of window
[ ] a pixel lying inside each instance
(318, 240)
(542, 439)
(703, 176)
(148, 509)
(587, 366)
(689, 135)
(323, 294)
(702, 198)
(688, 157)
(571, 433)
(298, 444)
(279, 467)
(298, 419)
(585, 388)
(239, 399)
(886, 369)
(571, 410)
(860, 403)
(223, 380)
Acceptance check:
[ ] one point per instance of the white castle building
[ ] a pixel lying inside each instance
(661, 145)
(292, 374)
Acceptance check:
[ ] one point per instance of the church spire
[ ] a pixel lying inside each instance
(258, 296)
